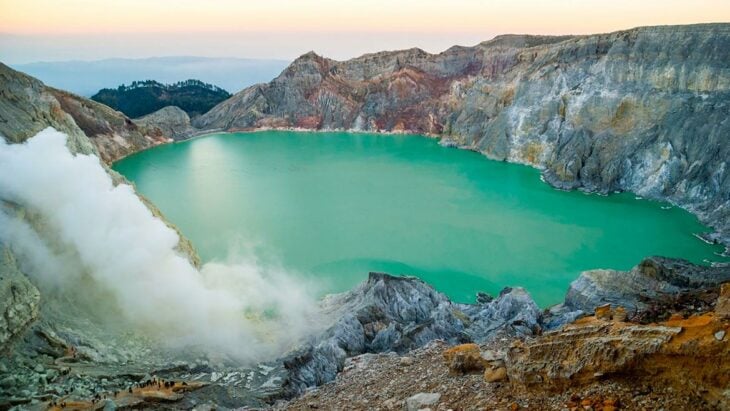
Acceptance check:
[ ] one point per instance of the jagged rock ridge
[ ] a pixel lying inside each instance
(387, 313)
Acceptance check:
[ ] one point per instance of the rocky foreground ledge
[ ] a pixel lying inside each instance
(666, 318)
(657, 339)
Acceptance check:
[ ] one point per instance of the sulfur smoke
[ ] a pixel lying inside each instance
(99, 239)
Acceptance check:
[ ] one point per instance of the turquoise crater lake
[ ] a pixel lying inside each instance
(333, 206)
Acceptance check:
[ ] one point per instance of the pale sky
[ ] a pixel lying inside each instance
(32, 30)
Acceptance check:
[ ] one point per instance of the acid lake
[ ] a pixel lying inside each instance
(330, 207)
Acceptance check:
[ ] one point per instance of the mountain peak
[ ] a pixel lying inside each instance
(310, 55)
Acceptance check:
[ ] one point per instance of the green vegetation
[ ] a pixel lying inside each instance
(144, 97)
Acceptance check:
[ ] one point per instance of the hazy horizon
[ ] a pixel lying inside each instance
(26, 49)
(45, 30)
(87, 77)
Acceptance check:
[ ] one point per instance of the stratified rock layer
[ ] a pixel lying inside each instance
(653, 281)
(584, 351)
(643, 110)
(685, 354)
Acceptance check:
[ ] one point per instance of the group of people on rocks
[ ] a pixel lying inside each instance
(160, 383)
(154, 382)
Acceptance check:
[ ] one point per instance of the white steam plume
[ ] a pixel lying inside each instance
(113, 242)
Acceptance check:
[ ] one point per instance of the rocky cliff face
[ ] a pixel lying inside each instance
(607, 361)
(39, 332)
(28, 106)
(19, 299)
(653, 281)
(643, 110)
(675, 352)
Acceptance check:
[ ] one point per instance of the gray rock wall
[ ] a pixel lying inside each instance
(19, 299)
(653, 281)
(399, 314)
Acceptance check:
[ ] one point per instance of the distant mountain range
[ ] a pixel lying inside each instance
(144, 97)
(87, 77)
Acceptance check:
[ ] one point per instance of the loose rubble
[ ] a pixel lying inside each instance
(392, 338)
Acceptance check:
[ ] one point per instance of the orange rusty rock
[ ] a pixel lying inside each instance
(138, 396)
(674, 353)
(464, 358)
(495, 374)
(619, 314)
(603, 312)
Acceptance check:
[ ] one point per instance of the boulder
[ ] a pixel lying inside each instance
(171, 120)
(422, 400)
(465, 358)
(582, 352)
(654, 282)
(496, 374)
(388, 313)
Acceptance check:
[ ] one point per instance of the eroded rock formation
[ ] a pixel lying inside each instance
(651, 289)
(399, 314)
(19, 299)
(28, 106)
(691, 355)
(598, 362)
